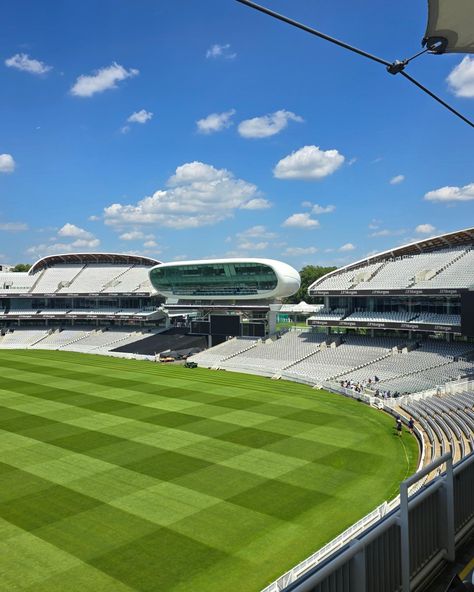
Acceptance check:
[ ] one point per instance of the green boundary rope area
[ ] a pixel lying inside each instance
(120, 476)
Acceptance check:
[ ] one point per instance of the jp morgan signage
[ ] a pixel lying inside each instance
(387, 325)
(406, 292)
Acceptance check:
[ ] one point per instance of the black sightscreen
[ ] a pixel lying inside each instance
(253, 329)
(200, 327)
(225, 325)
(467, 313)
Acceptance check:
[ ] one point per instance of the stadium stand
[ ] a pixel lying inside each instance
(381, 317)
(213, 357)
(270, 357)
(54, 278)
(325, 314)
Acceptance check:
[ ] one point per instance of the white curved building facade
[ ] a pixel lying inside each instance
(236, 279)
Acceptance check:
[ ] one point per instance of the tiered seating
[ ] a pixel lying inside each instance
(271, 357)
(326, 314)
(133, 280)
(444, 268)
(438, 319)
(331, 362)
(93, 311)
(418, 370)
(94, 278)
(457, 274)
(119, 339)
(403, 272)
(381, 317)
(50, 279)
(302, 355)
(19, 311)
(88, 340)
(348, 279)
(15, 283)
(448, 422)
(217, 354)
(21, 338)
(58, 339)
(102, 341)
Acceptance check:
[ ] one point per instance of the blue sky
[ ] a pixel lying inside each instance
(190, 129)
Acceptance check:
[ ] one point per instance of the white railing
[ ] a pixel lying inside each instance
(349, 534)
(337, 543)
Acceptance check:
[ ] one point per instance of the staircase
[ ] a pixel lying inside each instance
(41, 274)
(114, 281)
(67, 284)
(241, 351)
(372, 275)
(75, 340)
(335, 376)
(446, 266)
(50, 332)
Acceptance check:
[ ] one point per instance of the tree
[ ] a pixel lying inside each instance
(22, 267)
(309, 274)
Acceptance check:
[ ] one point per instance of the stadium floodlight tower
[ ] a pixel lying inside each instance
(246, 287)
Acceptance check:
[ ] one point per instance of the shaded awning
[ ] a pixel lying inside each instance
(451, 24)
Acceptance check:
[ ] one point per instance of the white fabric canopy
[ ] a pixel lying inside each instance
(451, 22)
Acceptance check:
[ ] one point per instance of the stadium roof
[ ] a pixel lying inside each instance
(113, 258)
(458, 238)
(442, 241)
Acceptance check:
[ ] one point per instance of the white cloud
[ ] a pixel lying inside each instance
(22, 61)
(447, 194)
(425, 228)
(397, 179)
(197, 195)
(83, 241)
(374, 224)
(58, 247)
(297, 251)
(461, 78)
(308, 162)
(347, 247)
(267, 125)
(103, 79)
(317, 209)
(94, 218)
(73, 231)
(133, 235)
(258, 231)
(352, 161)
(303, 220)
(13, 226)
(253, 246)
(215, 122)
(141, 116)
(386, 232)
(220, 51)
(259, 203)
(151, 244)
(7, 163)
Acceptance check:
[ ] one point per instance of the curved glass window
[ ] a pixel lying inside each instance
(215, 279)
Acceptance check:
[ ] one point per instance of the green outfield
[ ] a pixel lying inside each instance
(120, 476)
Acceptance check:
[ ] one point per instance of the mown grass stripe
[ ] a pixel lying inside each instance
(176, 480)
